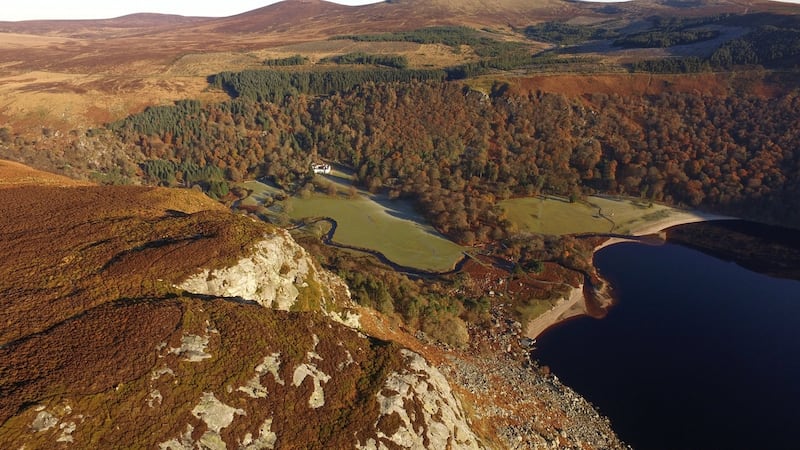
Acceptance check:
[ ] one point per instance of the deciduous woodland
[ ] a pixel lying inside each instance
(457, 151)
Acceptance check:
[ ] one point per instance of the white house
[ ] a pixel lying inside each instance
(321, 168)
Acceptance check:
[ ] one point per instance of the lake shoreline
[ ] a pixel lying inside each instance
(677, 307)
(676, 218)
(576, 304)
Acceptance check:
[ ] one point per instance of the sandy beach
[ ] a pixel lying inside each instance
(675, 218)
(575, 304)
(564, 308)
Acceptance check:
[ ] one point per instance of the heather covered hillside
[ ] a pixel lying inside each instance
(100, 344)
(140, 317)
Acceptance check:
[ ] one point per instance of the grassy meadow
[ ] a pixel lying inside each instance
(554, 215)
(391, 227)
(259, 192)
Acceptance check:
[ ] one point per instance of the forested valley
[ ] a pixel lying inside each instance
(457, 151)
(456, 148)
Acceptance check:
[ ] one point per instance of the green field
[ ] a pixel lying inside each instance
(259, 192)
(391, 227)
(552, 215)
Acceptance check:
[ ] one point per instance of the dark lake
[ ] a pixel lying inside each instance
(698, 353)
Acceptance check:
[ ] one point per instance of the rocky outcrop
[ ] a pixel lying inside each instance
(278, 274)
(216, 416)
(418, 410)
(273, 275)
(517, 403)
(416, 406)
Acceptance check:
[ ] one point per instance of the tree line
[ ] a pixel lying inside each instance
(662, 32)
(769, 46)
(273, 86)
(773, 47)
(664, 39)
(209, 178)
(394, 61)
(294, 60)
(482, 43)
(688, 64)
(562, 33)
(453, 36)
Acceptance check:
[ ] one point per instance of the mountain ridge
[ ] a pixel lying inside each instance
(129, 63)
(297, 14)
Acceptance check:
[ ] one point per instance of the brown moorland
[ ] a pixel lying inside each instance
(13, 174)
(641, 84)
(118, 378)
(100, 350)
(72, 248)
(78, 74)
(92, 325)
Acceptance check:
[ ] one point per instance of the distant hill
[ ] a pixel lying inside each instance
(321, 17)
(140, 21)
(288, 14)
(127, 63)
(318, 17)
